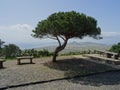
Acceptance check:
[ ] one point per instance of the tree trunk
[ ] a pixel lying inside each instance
(55, 54)
(58, 49)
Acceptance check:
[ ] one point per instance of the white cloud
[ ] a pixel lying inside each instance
(16, 27)
(109, 38)
(21, 27)
(20, 34)
(16, 33)
(111, 34)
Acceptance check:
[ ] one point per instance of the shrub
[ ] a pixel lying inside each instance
(115, 48)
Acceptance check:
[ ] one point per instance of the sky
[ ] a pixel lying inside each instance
(19, 17)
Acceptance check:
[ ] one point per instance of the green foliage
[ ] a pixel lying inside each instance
(46, 53)
(76, 53)
(71, 53)
(11, 51)
(115, 48)
(68, 25)
(36, 53)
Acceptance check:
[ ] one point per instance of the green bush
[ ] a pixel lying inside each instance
(11, 51)
(115, 48)
(36, 53)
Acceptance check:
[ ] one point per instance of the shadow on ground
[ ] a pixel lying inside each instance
(76, 67)
(25, 63)
(109, 78)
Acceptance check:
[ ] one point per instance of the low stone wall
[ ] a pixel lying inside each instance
(102, 59)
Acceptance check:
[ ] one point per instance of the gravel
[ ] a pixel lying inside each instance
(13, 75)
(106, 81)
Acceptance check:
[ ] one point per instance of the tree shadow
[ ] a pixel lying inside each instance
(25, 63)
(109, 78)
(76, 67)
(2, 68)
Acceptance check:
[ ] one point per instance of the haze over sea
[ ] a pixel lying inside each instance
(19, 17)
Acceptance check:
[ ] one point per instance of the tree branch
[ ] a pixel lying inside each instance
(58, 40)
(52, 37)
(62, 37)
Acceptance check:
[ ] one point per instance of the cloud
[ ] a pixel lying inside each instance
(111, 34)
(16, 27)
(20, 34)
(109, 38)
(16, 33)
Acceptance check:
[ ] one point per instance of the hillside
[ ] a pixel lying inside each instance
(78, 47)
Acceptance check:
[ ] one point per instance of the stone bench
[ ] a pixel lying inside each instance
(24, 57)
(100, 59)
(108, 54)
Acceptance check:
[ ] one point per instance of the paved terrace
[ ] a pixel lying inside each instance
(42, 76)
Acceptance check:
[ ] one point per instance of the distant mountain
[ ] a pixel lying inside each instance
(86, 43)
(77, 47)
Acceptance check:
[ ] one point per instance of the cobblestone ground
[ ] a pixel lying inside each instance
(44, 69)
(106, 81)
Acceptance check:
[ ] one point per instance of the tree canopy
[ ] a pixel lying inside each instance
(67, 25)
(11, 51)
